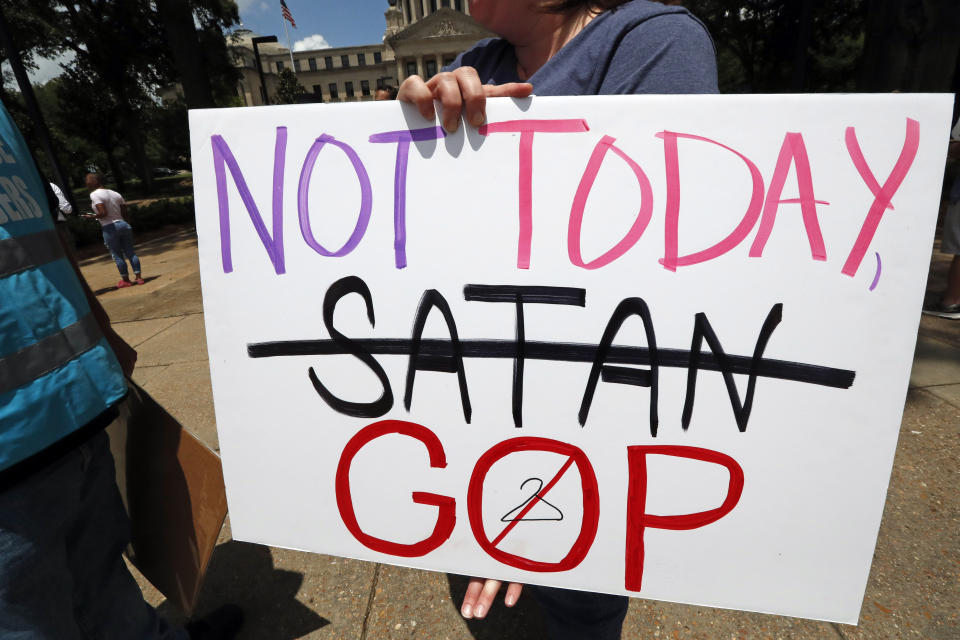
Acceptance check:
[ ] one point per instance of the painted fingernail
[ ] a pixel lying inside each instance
(466, 611)
(510, 601)
(479, 611)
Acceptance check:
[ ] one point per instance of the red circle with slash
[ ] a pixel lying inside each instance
(590, 492)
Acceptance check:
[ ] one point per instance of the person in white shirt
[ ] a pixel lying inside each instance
(110, 209)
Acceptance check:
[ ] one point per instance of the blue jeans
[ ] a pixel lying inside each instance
(118, 236)
(62, 577)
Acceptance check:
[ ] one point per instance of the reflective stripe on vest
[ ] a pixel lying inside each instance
(54, 351)
(57, 372)
(19, 253)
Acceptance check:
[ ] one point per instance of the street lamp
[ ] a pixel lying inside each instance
(256, 56)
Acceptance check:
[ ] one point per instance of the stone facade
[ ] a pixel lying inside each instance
(421, 37)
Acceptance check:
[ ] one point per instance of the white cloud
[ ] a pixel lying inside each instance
(316, 41)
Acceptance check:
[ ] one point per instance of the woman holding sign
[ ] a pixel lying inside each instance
(567, 48)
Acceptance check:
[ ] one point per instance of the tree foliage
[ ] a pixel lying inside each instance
(35, 31)
(194, 32)
(911, 45)
(848, 45)
(289, 88)
(784, 45)
(122, 52)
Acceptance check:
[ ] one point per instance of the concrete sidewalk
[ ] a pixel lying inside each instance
(914, 587)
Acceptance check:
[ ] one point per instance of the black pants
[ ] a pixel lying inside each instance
(581, 615)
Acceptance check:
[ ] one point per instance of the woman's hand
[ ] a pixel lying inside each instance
(480, 594)
(458, 91)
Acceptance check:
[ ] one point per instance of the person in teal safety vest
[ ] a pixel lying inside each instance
(62, 373)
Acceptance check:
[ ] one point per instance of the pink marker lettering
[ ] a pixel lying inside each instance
(671, 234)
(580, 202)
(792, 151)
(526, 129)
(882, 196)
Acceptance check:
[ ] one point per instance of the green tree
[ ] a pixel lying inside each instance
(784, 45)
(34, 31)
(122, 53)
(911, 45)
(289, 88)
(194, 32)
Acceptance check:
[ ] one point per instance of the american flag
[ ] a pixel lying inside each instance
(286, 14)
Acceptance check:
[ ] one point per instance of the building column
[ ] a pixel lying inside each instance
(439, 58)
(420, 66)
(400, 76)
(423, 8)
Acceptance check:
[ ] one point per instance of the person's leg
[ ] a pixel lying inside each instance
(576, 615)
(36, 588)
(948, 306)
(108, 602)
(62, 530)
(112, 239)
(952, 295)
(125, 234)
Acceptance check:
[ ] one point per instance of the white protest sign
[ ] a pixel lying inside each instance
(647, 345)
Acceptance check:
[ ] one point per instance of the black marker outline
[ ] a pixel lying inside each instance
(520, 295)
(345, 345)
(447, 355)
(452, 363)
(564, 352)
(702, 329)
(623, 375)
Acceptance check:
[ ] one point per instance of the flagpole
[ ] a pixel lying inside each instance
(289, 48)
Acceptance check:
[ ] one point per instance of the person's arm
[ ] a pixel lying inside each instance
(99, 210)
(62, 202)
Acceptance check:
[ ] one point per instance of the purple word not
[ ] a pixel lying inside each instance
(223, 159)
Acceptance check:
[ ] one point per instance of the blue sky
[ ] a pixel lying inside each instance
(333, 22)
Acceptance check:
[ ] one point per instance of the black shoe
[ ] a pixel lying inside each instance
(221, 624)
(941, 310)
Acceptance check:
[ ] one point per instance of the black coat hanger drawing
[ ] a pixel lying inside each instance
(510, 516)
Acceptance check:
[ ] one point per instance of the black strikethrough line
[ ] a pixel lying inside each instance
(440, 350)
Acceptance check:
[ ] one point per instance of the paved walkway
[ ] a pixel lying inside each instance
(914, 588)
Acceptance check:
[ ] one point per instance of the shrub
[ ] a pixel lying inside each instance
(143, 217)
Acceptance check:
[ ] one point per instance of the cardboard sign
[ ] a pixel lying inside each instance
(172, 487)
(646, 345)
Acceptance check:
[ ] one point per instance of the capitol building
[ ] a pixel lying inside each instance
(421, 37)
